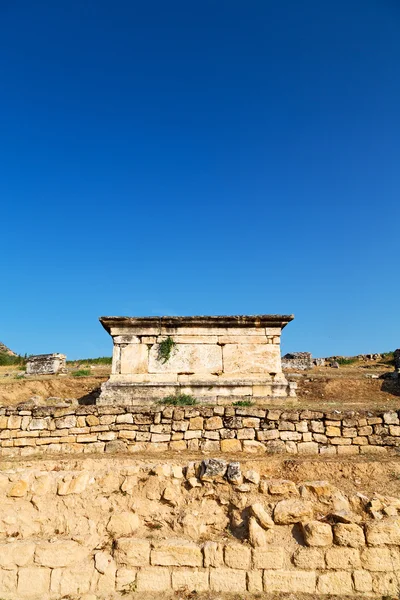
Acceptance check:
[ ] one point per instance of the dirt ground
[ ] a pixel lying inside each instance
(356, 386)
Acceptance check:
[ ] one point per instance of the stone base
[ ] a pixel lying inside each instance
(128, 393)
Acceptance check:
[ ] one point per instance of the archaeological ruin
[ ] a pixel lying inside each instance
(46, 364)
(210, 357)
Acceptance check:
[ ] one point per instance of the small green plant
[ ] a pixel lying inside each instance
(179, 400)
(81, 373)
(130, 588)
(243, 403)
(165, 349)
(18, 377)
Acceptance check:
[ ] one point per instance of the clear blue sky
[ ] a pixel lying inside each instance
(213, 157)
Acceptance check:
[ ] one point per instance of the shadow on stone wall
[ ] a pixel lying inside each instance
(90, 398)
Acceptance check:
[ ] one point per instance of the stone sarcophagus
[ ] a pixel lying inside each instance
(46, 364)
(211, 358)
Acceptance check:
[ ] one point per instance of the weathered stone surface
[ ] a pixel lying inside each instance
(237, 556)
(362, 581)
(16, 554)
(194, 358)
(337, 582)
(348, 535)
(380, 559)
(282, 487)
(259, 512)
(190, 580)
(123, 524)
(213, 468)
(289, 581)
(251, 358)
(268, 558)
(233, 472)
(46, 364)
(317, 533)
(257, 535)
(133, 552)
(227, 580)
(176, 552)
(309, 559)
(33, 581)
(383, 532)
(59, 553)
(153, 580)
(292, 511)
(213, 554)
(342, 558)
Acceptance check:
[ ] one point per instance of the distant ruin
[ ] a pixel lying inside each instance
(210, 357)
(46, 364)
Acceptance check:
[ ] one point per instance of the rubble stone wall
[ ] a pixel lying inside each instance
(207, 429)
(108, 531)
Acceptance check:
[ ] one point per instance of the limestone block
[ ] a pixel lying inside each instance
(228, 580)
(39, 424)
(123, 524)
(133, 552)
(317, 534)
(125, 580)
(134, 358)
(14, 422)
(61, 553)
(153, 580)
(292, 511)
(387, 585)
(103, 561)
(18, 489)
(75, 580)
(73, 485)
(16, 554)
(262, 516)
(213, 423)
(190, 339)
(282, 487)
(65, 422)
(237, 556)
(380, 559)
(196, 423)
(231, 445)
(187, 358)
(337, 582)
(254, 582)
(309, 559)
(383, 532)
(190, 580)
(348, 534)
(251, 358)
(176, 552)
(342, 558)
(33, 581)
(289, 581)
(213, 554)
(257, 535)
(269, 557)
(362, 581)
(8, 582)
(307, 448)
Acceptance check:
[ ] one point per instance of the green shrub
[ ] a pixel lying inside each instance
(179, 400)
(346, 361)
(9, 360)
(81, 373)
(101, 360)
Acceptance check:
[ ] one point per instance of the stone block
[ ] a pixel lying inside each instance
(133, 552)
(270, 557)
(125, 580)
(237, 556)
(309, 559)
(337, 582)
(379, 533)
(65, 422)
(289, 581)
(134, 358)
(196, 423)
(59, 553)
(227, 580)
(18, 489)
(307, 448)
(342, 558)
(213, 423)
(123, 524)
(380, 559)
(348, 534)
(16, 554)
(254, 582)
(231, 445)
(282, 487)
(33, 581)
(293, 511)
(262, 516)
(317, 534)
(153, 580)
(8, 583)
(213, 554)
(187, 358)
(386, 585)
(362, 581)
(190, 580)
(176, 552)
(251, 358)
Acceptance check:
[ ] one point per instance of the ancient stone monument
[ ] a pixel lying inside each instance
(213, 358)
(46, 364)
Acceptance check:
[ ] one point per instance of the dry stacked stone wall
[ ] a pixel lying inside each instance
(77, 429)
